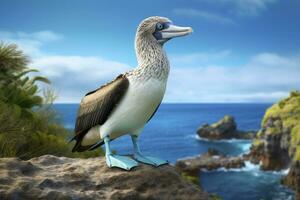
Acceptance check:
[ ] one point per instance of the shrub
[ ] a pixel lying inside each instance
(29, 127)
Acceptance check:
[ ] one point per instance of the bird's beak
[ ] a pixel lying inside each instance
(175, 31)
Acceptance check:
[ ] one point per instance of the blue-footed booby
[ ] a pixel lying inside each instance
(126, 104)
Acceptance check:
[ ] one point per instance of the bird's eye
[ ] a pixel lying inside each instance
(159, 26)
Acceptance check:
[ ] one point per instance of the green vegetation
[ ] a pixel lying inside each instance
(256, 142)
(190, 178)
(29, 126)
(288, 111)
(215, 196)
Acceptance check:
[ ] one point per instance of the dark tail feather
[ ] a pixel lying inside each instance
(98, 144)
(72, 139)
(77, 147)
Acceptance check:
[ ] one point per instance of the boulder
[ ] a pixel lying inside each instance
(226, 128)
(51, 177)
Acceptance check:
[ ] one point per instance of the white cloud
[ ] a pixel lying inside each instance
(243, 7)
(195, 77)
(30, 43)
(208, 16)
(265, 78)
(73, 76)
(44, 36)
(250, 7)
(198, 58)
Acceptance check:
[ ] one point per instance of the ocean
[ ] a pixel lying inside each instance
(171, 134)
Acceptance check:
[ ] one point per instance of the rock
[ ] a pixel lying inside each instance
(226, 128)
(51, 177)
(272, 149)
(209, 161)
(292, 180)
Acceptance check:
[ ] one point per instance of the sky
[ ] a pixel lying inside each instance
(240, 50)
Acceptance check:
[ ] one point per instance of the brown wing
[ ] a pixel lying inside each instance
(96, 107)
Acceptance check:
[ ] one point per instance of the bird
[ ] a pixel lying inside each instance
(125, 105)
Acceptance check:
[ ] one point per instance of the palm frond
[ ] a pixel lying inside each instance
(11, 59)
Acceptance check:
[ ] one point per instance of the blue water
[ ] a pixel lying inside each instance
(171, 134)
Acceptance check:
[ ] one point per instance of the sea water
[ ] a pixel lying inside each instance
(171, 134)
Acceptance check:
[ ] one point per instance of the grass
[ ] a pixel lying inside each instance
(287, 109)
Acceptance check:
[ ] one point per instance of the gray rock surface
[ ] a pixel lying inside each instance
(210, 161)
(51, 177)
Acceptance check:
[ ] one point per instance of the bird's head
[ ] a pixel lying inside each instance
(161, 29)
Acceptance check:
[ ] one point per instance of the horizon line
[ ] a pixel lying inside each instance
(263, 102)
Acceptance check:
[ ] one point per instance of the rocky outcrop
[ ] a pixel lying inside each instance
(226, 128)
(272, 148)
(50, 177)
(210, 161)
(277, 143)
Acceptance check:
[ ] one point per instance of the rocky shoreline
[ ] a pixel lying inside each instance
(276, 146)
(51, 177)
(211, 160)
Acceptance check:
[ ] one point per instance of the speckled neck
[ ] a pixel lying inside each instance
(151, 57)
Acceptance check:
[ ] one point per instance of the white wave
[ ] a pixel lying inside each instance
(281, 172)
(247, 168)
(250, 167)
(245, 148)
(197, 137)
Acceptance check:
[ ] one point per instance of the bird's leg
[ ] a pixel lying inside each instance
(145, 159)
(113, 160)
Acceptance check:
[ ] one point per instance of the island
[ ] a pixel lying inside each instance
(226, 128)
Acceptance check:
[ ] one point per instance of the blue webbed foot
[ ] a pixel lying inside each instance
(122, 162)
(149, 160)
(113, 160)
(145, 159)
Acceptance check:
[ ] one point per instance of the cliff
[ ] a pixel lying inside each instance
(277, 144)
(51, 177)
